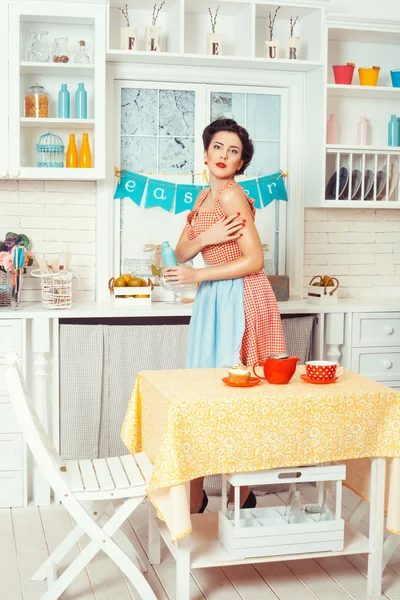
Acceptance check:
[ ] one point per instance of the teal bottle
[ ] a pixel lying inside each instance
(393, 131)
(81, 102)
(63, 102)
(168, 256)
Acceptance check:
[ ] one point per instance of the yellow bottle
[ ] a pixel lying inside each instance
(85, 156)
(71, 161)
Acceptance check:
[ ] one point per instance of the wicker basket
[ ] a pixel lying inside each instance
(5, 288)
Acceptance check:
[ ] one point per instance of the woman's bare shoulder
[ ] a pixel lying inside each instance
(233, 198)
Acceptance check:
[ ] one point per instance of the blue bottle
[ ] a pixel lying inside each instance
(168, 256)
(393, 131)
(63, 102)
(81, 102)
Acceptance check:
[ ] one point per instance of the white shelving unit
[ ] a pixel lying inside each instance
(59, 19)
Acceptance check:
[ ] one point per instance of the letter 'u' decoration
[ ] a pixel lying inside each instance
(179, 197)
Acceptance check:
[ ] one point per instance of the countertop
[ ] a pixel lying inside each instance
(87, 310)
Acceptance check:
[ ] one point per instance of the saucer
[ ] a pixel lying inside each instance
(308, 380)
(251, 383)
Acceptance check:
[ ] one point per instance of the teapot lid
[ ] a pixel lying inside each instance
(279, 355)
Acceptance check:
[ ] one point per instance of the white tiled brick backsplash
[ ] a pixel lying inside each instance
(56, 216)
(359, 247)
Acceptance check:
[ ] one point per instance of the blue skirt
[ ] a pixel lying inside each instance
(217, 325)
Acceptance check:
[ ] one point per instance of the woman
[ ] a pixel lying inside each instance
(235, 315)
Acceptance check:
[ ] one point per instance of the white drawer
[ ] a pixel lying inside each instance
(380, 365)
(11, 489)
(10, 336)
(374, 330)
(11, 450)
(395, 385)
(8, 419)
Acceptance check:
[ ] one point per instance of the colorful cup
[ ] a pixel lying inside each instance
(322, 370)
(343, 74)
(369, 76)
(395, 75)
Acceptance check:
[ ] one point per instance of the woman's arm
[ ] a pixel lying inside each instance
(187, 249)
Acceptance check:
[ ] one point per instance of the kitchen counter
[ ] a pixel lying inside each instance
(88, 310)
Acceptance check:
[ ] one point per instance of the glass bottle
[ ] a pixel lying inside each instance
(82, 57)
(327, 510)
(85, 156)
(63, 102)
(393, 131)
(331, 130)
(71, 161)
(362, 132)
(81, 102)
(36, 102)
(60, 50)
(289, 504)
(41, 49)
(296, 513)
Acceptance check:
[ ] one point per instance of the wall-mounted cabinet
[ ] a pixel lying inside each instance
(32, 57)
(243, 27)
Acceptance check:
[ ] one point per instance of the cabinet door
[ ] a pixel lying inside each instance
(3, 96)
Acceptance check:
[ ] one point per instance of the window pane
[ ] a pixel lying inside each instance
(264, 117)
(139, 111)
(139, 154)
(176, 113)
(229, 106)
(266, 159)
(176, 155)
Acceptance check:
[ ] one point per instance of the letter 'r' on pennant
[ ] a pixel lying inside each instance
(160, 193)
(251, 189)
(131, 186)
(272, 187)
(186, 197)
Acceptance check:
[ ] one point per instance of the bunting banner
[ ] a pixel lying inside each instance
(178, 197)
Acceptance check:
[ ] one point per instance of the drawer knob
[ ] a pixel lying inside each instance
(388, 329)
(387, 364)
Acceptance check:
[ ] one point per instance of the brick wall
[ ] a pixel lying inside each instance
(360, 247)
(56, 216)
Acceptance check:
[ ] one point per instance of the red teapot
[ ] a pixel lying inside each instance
(278, 368)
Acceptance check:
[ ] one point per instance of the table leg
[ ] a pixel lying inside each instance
(154, 537)
(183, 568)
(376, 524)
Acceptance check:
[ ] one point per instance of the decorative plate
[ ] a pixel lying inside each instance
(394, 178)
(356, 178)
(323, 382)
(381, 185)
(330, 192)
(251, 383)
(368, 184)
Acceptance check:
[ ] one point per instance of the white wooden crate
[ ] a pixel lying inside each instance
(120, 301)
(266, 531)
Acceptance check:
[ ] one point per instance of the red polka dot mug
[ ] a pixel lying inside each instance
(323, 370)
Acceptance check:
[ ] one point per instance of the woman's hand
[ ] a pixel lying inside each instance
(223, 231)
(181, 275)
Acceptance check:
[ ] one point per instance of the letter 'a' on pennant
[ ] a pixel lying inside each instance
(251, 189)
(272, 187)
(131, 185)
(160, 193)
(186, 197)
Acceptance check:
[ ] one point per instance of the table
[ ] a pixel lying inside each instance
(191, 425)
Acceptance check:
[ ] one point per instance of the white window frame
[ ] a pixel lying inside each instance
(159, 76)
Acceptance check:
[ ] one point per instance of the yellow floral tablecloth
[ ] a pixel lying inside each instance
(191, 425)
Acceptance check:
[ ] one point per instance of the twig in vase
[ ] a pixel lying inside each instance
(272, 23)
(292, 25)
(156, 12)
(213, 18)
(124, 11)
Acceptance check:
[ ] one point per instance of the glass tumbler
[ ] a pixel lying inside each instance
(41, 48)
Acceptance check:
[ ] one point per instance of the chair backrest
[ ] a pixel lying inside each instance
(41, 446)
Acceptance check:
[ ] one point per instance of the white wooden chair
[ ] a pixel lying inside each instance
(88, 489)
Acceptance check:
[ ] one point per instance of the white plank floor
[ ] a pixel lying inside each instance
(28, 534)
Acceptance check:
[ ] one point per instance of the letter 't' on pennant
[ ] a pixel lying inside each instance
(131, 186)
(186, 197)
(160, 193)
(251, 189)
(272, 187)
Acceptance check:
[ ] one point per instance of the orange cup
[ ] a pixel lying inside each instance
(322, 370)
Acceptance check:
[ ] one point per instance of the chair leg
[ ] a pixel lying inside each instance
(55, 557)
(126, 545)
(154, 549)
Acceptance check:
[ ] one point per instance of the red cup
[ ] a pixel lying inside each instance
(322, 370)
(343, 74)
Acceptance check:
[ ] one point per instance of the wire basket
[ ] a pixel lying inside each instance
(50, 151)
(56, 289)
(5, 288)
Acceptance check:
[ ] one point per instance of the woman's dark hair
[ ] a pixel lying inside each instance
(230, 125)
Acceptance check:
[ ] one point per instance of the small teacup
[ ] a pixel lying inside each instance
(322, 370)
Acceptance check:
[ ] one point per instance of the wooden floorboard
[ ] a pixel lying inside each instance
(27, 535)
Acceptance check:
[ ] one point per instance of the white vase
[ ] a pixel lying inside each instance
(153, 38)
(293, 48)
(128, 38)
(271, 49)
(214, 43)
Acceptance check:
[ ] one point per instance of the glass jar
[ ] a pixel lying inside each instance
(41, 49)
(82, 57)
(60, 50)
(36, 102)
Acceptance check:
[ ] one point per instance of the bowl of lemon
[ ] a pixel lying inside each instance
(129, 290)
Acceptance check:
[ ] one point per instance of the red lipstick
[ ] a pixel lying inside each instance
(221, 165)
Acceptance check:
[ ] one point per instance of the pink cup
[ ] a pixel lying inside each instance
(343, 74)
(322, 370)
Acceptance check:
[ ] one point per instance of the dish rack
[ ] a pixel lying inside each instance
(362, 175)
(56, 288)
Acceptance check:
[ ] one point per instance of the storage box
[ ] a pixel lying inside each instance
(266, 531)
(123, 296)
(322, 295)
